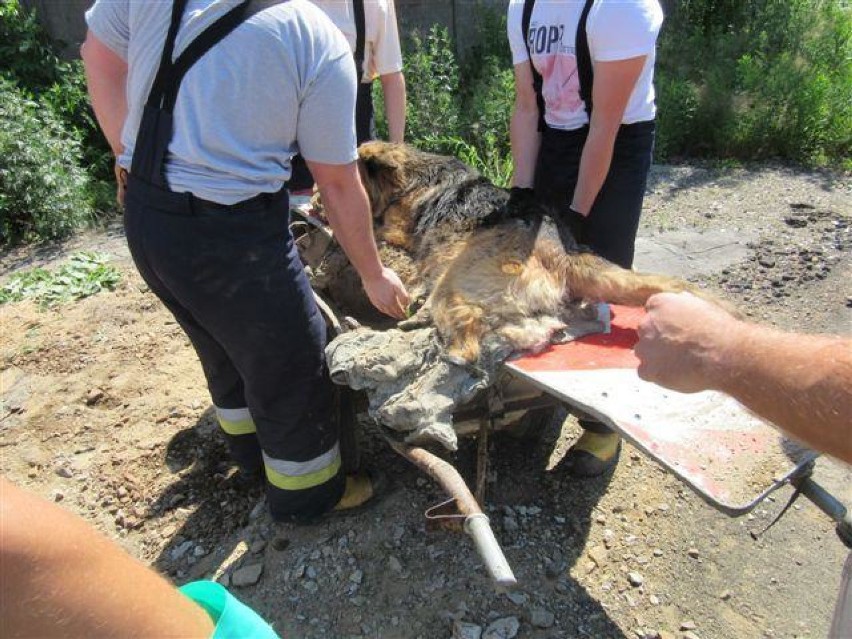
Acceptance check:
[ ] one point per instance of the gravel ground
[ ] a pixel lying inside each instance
(105, 412)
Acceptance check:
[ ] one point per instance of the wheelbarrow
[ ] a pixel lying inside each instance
(732, 459)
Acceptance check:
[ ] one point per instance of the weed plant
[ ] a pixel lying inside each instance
(84, 274)
(44, 191)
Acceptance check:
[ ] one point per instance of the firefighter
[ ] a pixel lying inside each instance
(204, 102)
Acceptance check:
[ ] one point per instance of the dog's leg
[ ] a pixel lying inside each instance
(591, 277)
(462, 325)
(421, 318)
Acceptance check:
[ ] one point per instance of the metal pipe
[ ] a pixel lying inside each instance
(828, 504)
(824, 500)
(476, 522)
(478, 527)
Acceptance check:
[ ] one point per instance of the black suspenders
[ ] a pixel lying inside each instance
(537, 80)
(360, 30)
(585, 72)
(584, 59)
(155, 129)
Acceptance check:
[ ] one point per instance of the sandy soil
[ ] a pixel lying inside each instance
(104, 410)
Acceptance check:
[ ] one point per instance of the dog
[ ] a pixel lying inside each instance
(483, 263)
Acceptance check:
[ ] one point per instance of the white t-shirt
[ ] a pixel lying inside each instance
(382, 53)
(616, 30)
(281, 83)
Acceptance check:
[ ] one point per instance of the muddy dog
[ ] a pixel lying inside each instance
(486, 265)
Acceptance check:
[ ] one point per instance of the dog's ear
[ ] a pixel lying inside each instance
(378, 158)
(383, 161)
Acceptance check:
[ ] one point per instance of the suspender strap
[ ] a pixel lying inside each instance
(360, 31)
(156, 125)
(585, 73)
(163, 71)
(211, 36)
(537, 80)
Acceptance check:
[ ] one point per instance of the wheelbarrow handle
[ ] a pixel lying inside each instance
(479, 528)
(828, 504)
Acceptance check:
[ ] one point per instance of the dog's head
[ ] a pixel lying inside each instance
(393, 171)
(384, 169)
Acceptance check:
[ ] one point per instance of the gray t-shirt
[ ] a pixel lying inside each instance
(281, 83)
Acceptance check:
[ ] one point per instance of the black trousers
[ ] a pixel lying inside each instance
(611, 226)
(233, 280)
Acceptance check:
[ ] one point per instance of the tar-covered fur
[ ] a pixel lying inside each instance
(481, 266)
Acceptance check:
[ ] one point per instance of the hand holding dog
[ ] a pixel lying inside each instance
(387, 293)
(120, 183)
(683, 341)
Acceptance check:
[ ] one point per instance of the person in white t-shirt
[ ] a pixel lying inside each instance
(382, 59)
(378, 56)
(582, 135)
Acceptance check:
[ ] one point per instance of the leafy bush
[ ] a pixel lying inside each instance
(43, 191)
(432, 86)
(757, 80)
(735, 80)
(84, 274)
(30, 61)
(462, 110)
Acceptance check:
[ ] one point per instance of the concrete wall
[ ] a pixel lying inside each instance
(65, 23)
(63, 20)
(461, 17)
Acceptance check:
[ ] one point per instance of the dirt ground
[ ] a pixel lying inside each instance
(104, 410)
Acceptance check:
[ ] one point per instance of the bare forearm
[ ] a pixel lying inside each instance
(393, 89)
(801, 383)
(614, 82)
(61, 578)
(348, 212)
(526, 140)
(594, 165)
(106, 79)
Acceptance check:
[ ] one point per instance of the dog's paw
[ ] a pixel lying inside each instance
(421, 318)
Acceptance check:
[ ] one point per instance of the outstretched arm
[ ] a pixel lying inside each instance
(801, 383)
(614, 82)
(348, 210)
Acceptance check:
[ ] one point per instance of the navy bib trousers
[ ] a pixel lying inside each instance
(233, 279)
(611, 226)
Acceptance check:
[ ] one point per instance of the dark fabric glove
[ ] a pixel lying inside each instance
(521, 201)
(520, 198)
(576, 222)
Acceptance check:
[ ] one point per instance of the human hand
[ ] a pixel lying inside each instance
(120, 183)
(387, 293)
(684, 341)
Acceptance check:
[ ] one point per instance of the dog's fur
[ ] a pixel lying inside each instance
(484, 265)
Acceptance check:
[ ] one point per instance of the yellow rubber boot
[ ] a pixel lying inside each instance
(594, 454)
(359, 490)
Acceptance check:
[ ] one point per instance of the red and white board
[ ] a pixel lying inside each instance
(729, 456)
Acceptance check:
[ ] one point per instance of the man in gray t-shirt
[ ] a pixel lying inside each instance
(204, 102)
